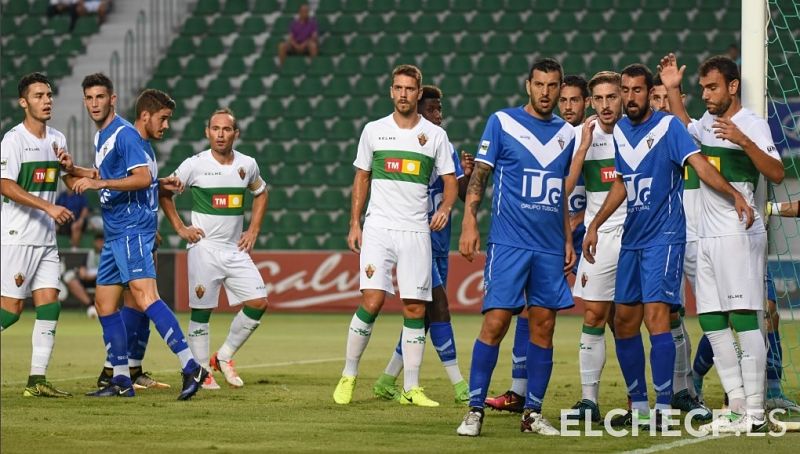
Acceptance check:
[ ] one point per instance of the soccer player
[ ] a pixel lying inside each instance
(30, 160)
(572, 103)
(731, 256)
(529, 245)
(651, 150)
(398, 156)
(100, 101)
(218, 248)
(437, 313)
(684, 396)
(128, 191)
(594, 160)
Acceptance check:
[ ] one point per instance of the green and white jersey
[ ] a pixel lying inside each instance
(718, 216)
(31, 162)
(403, 162)
(218, 195)
(599, 174)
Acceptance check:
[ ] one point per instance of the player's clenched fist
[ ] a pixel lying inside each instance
(191, 234)
(469, 243)
(60, 214)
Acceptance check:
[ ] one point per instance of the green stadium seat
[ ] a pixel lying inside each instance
(354, 108)
(243, 46)
(562, 23)
(345, 23)
(289, 224)
(342, 130)
(318, 223)
(194, 26)
(675, 21)
(264, 66)
(30, 26)
(282, 87)
(303, 199)
(271, 108)
(314, 129)
(477, 85)
(219, 88)
(527, 44)
(195, 129)
(43, 46)
(168, 67)
(248, 149)
(460, 65)
(306, 242)
(252, 86)
(181, 46)
(286, 175)
(610, 43)
(349, 65)
(326, 108)
(184, 88)
(8, 24)
(253, 25)
(338, 86)
(433, 64)
(453, 23)
(360, 44)
(600, 62)
(574, 64)
(315, 175)
(470, 44)
(278, 198)
(721, 41)
(654, 5)
(299, 108)
(335, 243)
(366, 86)
(16, 45)
(469, 107)
(17, 8)
(666, 43)
(600, 6)
(507, 85)
(321, 66)
(233, 66)
(731, 20)
(638, 43)
(553, 43)
(159, 83)
(377, 65)
(487, 65)
(426, 23)
(457, 130)
(496, 103)
(618, 22)
(58, 67)
(266, 7)
(464, 6)
(331, 6)
(342, 176)
(399, 23)
(332, 199)
(409, 6)
(235, 7)
(480, 23)
(222, 26)
(518, 6)
(328, 153)
(197, 67)
(387, 44)
(294, 66)
(696, 42)
(332, 45)
(508, 23)
(282, 24)
(310, 86)
(713, 5)
(206, 7)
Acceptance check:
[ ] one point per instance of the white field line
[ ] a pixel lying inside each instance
(674, 444)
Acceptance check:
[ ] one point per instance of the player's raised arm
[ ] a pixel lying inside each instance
(470, 241)
(576, 166)
(616, 195)
(671, 76)
(710, 176)
(138, 179)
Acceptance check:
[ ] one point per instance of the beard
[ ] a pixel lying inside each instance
(719, 108)
(635, 118)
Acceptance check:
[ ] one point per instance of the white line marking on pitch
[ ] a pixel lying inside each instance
(674, 444)
(246, 366)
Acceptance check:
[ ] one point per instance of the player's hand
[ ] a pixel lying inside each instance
(65, 159)
(467, 163)
(191, 234)
(439, 219)
(171, 183)
(671, 74)
(469, 244)
(590, 244)
(354, 238)
(569, 257)
(743, 209)
(247, 241)
(60, 214)
(575, 222)
(587, 132)
(86, 184)
(724, 128)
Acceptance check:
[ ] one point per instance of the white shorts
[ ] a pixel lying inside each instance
(690, 263)
(28, 268)
(210, 269)
(382, 249)
(730, 273)
(596, 281)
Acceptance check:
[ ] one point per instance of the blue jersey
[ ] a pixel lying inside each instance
(577, 203)
(650, 157)
(119, 149)
(440, 241)
(531, 159)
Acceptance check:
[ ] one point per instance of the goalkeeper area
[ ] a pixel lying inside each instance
(289, 370)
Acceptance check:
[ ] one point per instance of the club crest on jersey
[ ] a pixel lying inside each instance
(242, 173)
(369, 271)
(19, 279)
(55, 147)
(584, 279)
(423, 139)
(200, 291)
(650, 139)
(561, 141)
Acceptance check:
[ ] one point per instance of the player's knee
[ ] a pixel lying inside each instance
(12, 305)
(437, 310)
(261, 304)
(413, 310)
(595, 317)
(493, 330)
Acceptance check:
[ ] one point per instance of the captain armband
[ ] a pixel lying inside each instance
(257, 187)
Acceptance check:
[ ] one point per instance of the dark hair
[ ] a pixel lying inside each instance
(408, 70)
(30, 79)
(657, 82)
(97, 80)
(431, 92)
(572, 80)
(546, 65)
(604, 77)
(223, 110)
(152, 100)
(725, 65)
(637, 70)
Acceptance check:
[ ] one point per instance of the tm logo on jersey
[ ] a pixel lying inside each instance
(226, 201)
(638, 190)
(407, 166)
(543, 188)
(45, 175)
(608, 174)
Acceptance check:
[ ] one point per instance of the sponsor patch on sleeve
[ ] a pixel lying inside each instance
(484, 147)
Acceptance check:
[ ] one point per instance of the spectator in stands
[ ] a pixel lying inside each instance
(77, 8)
(79, 206)
(302, 39)
(85, 277)
(734, 54)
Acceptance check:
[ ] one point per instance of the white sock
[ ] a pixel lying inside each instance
(184, 356)
(134, 362)
(413, 345)
(199, 340)
(683, 355)
(357, 340)
(395, 365)
(242, 327)
(727, 363)
(753, 364)
(519, 386)
(43, 339)
(592, 358)
(453, 372)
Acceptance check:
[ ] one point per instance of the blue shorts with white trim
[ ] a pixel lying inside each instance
(126, 259)
(650, 275)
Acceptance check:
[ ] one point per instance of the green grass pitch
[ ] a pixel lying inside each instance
(290, 367)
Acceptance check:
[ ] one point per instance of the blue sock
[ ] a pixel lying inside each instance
(131, 318)
(704, 358)
(774, 364)
(170, 331)
(443, 341)
(630, 354)
(399, 348)
(142, 337)
(115, 338)
(484, 358)
(662, 366)
(519, 353)
(541, 361)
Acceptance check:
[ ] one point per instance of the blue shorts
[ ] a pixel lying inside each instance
(439, 272)
(514, 278)
(771, 293)
(650, 275)
(126, 259)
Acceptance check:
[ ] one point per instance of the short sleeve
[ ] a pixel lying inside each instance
(759, 133)
(9, 158)
(255, 183)
(682, 145)
(184, 172)
(491, 142)
(443, 155)
(365, 151)
(694, 128)
(457, 163)
(130, 149)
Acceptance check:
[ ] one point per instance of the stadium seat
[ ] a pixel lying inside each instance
(464, 6)
(326, 108)
(674, 21)
(196, 67)
(460, 65)
(509, 22)
(318, 223)
(306, 242)
(618, 22)
(468, 107)
(338, 86)
(332, 199)
(185, 87)
(271, 108)
(258, 129)
(303, 199)
(310, 86)
(553, 44)
(294, 66)
(314, 129)
(508, 86)
(342, 130)
(563, 22)
(387, 44)
(480, 23)
(610, 43)
(233, 66)
(315, 175)
(426, 23)
(342, 176)
(345, 23)
(349, 65)
(299, 108)
(487, 65)
(285, 130)
(43, 46)
(600, 62)
(241, 108)
(195, 129)
(408, 6)
(222, 26)
(235, 7)
(194, 26)
(253, 25)
(206, 7)
(18, 8)
(168, 67)
(354, 108)
(289, 223)
(181, 46)
(243, 46)
(219, 87)
(453, 23)
(266, 7)
(252, 86)
(399, 23)
(328, 153)
(638, 43)
(30, 26)
(499, 44)
(335, 243)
